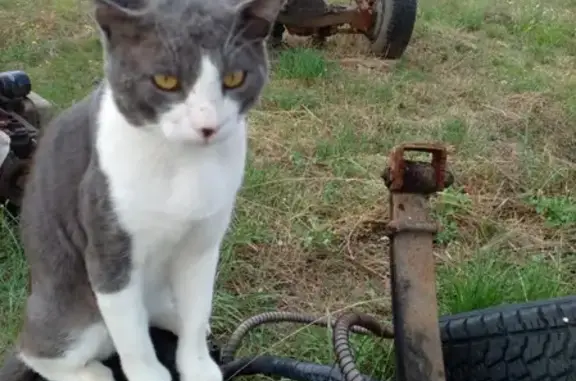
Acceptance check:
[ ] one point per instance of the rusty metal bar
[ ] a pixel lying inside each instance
(360, 19)
(330, 18)
(417, 336)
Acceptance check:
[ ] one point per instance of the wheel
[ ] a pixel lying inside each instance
(393, 26)
(531, 341)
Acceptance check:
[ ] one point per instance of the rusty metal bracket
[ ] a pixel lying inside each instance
(415, 307)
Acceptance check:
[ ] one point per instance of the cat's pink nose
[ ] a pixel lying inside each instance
(207, 132)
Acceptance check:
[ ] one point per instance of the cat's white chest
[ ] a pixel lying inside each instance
(164, 192)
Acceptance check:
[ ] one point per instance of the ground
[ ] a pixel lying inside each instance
(494, 80)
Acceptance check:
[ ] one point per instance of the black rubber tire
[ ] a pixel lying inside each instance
(531, 341)
(393, 27)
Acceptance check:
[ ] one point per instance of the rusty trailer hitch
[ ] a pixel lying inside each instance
(416, 334)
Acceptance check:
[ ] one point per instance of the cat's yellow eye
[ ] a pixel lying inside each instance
(234, 79)
(166, 82)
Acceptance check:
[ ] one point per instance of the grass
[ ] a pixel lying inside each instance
(494, 80)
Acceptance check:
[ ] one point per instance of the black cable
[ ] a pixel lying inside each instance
(273, 366)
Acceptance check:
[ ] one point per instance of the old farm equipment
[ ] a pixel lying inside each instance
(387, 24)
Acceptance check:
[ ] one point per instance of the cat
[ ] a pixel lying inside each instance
(133, 188)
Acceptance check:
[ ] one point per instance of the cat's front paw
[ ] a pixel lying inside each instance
(200, 370)
(147, 372)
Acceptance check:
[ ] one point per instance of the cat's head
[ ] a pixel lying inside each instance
(188, 70)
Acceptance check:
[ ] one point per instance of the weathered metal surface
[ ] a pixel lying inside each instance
(397, 167)
(364, 18)
(304, 8)
(417, 336)
(417, 177)
(331, 17)
(305, 17)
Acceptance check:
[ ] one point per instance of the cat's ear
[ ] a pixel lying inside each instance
(256, 17)
(117, 15)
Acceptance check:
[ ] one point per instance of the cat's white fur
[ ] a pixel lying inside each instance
(4, 146)
(174, 193)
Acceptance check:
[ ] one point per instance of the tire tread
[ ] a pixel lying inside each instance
(531, 341)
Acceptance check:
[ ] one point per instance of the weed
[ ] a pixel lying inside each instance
(490, 278)
(450, 204)
(558, 211)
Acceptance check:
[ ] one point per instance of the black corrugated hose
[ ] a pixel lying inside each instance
(297, 370)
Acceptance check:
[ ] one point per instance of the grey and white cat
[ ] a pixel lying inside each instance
(133, 188)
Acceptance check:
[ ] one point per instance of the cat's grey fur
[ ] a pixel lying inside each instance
(71, 240)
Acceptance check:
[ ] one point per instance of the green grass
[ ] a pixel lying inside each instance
(13, 282)
(494, 80)
(301, 63)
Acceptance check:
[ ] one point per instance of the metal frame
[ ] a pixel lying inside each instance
(359, 18)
